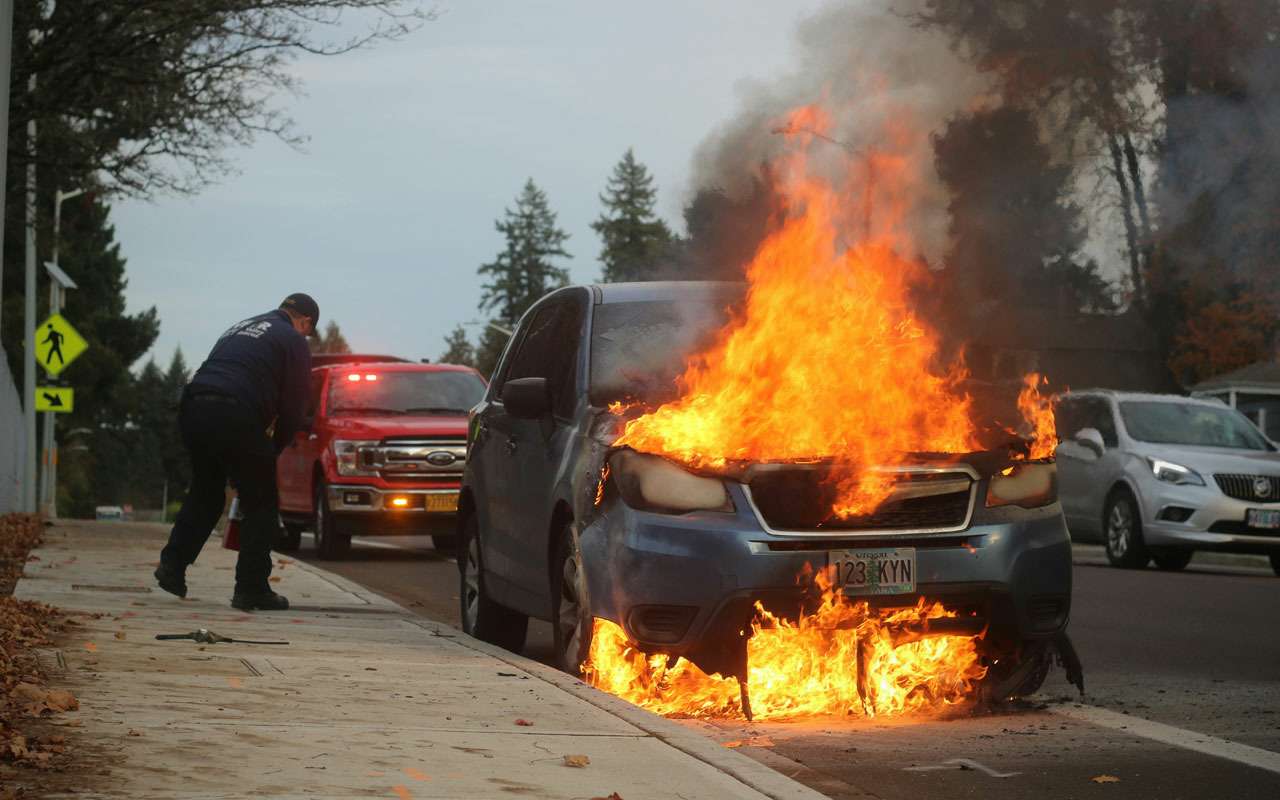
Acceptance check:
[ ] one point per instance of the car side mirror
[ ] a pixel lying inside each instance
(1091, 439)
(527, 398)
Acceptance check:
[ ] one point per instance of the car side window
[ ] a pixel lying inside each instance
(1099, 415)
(1066, 418)
(313, 401)
(550, 350)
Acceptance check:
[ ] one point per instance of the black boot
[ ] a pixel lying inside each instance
(265, 600)
(172, 579)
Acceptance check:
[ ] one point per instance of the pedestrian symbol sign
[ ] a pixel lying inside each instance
(58, 399)
(58, 344)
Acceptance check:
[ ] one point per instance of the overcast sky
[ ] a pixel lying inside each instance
(417, 146)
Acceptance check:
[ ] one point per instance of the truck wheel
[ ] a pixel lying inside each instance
(290, 538)
(571, 620)
(1171, 559)
(1122, 529)
(331, 542)
(482, 617)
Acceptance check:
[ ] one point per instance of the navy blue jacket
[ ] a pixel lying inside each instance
(266, 365)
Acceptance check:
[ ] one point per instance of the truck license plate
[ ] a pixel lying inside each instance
(1268, 518)
(880, 570)
(442, 502)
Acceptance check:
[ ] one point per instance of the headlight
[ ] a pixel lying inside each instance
(1030, 485)
(1170, 472)
(352, 457)
(652, 483)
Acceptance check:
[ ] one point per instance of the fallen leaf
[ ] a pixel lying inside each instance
(91, 647)
(120, 635)
(402, 792)
(57, 739)
(62, 700)
(576, 761)
(132, 732)
(235, 682)
(417, 775)
(1105, 779)
(733, 744)
(274, 579)
(524, 723)
(29, 692)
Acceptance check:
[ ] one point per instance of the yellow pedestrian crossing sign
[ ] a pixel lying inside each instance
(58, 399)
(58, 344)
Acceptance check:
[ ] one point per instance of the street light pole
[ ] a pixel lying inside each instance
(57, 294)
(29, 321)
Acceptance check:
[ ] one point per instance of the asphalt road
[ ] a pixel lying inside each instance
(1182, 671)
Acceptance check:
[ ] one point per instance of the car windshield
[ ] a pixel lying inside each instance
(1191, 424)
(356, 391)
(639, 349)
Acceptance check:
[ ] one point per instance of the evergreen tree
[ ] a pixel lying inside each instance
(524, 271)
(459, 349)
(177, 467)
(635, 240)
(492, 343)
(331, 341)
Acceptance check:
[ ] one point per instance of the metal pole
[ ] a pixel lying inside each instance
(6, 56)
(29, 355)
(57, 297)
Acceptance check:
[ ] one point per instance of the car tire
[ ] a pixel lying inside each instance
(290, 538)
(571, 619)
(1275, 564)
(1122, 531)
(331, 542)
(482, 616)
(445, 543)
(1171, 559)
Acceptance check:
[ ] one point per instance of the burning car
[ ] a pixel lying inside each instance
(594, 498)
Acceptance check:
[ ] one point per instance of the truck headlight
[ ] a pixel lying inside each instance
(652, 483)
(1170, 472)
(1028, 484)
(352, 457)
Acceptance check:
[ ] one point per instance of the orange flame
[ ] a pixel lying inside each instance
(803, 668)
(827, 360)
(1038, 411)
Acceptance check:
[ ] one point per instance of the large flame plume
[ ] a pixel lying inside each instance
(827, 358)
(805, 668)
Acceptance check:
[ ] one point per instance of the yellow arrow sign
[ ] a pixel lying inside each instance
(58, 344)
(57, 399)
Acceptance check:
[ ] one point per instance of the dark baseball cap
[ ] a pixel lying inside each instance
(300, 303)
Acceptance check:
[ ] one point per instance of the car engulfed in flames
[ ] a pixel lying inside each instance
(804, 517)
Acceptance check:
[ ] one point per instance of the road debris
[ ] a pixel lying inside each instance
(206, 636)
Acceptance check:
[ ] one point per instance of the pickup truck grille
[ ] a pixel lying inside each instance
(1246, 487)
(409, 460)
(800, 500)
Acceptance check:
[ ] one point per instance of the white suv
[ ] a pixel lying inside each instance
(1161, 476)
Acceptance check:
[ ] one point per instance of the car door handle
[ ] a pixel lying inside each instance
(511, 444)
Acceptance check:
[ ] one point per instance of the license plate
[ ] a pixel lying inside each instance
(442, 502)
(1268, 518)
(880, 570)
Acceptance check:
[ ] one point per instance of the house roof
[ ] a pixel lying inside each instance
(1260, 375)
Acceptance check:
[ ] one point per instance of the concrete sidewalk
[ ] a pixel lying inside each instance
(366, 700)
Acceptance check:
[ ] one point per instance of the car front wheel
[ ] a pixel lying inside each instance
(331, 542)
(482, 617)
(1122, 525)
(571, 615)
(1171, 559)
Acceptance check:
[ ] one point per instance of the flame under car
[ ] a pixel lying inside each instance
(558, 523)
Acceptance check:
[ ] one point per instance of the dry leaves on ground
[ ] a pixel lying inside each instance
(576, 761)
(524, 723)
(1105, 779)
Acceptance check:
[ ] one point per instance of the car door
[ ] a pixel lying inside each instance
(1084, 477)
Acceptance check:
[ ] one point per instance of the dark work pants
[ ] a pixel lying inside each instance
(226, 442)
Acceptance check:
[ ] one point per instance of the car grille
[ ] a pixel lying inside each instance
(801, 500)
(418, 459)
(1245, 487)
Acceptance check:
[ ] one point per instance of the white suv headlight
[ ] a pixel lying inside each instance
(347, 454)
(652, 483)
(1170, 472)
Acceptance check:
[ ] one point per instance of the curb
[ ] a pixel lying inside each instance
(1089, 554)
(742, 768)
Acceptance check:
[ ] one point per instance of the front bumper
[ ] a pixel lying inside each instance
(672, 580)
(369, 510)
(1217, 521)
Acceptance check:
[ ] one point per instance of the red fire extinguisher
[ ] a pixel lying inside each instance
(231, 534)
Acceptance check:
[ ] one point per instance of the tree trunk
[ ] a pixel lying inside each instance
(1126, 207)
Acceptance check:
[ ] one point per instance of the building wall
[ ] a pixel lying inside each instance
(13, 444)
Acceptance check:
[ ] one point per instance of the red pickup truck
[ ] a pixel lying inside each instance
(382, 452)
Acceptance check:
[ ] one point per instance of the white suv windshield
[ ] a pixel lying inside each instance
(1190, 424)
